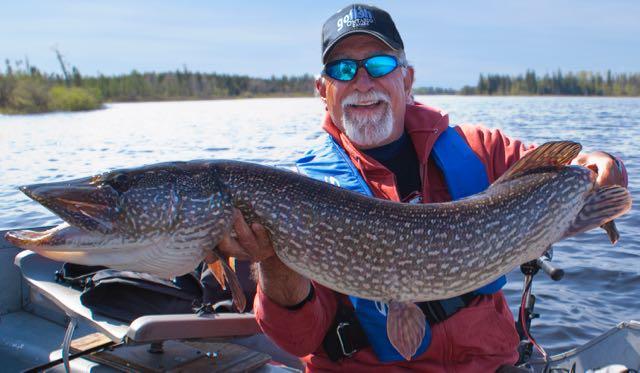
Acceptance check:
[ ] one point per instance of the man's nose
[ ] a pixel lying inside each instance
(362, 81)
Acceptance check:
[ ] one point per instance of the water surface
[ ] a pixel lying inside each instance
(602, 283)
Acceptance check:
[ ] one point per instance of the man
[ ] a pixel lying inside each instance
(389, 147)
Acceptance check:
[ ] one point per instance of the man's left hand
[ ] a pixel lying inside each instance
(604, 165)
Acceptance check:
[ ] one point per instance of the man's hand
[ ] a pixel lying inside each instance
(277, 281)
(251, 243)
(604, 165)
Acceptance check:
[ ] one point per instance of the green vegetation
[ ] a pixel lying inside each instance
(434, 91)
(25, 89)
(187, 85)
(62, 98)
(583, 83)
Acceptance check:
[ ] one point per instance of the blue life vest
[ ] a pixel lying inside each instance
(464, 174)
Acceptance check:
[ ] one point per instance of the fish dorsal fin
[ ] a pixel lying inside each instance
(552, 154)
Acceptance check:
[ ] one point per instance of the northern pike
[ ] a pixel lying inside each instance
(165, 218)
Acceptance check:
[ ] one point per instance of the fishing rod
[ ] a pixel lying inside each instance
(526, 311)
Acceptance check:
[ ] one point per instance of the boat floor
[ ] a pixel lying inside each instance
(33, 339)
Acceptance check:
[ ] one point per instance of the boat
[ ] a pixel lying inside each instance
(44, 325)
(618, 348)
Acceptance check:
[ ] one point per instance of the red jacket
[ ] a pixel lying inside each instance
(478, 338)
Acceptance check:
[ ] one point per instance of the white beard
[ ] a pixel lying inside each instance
(365, 129)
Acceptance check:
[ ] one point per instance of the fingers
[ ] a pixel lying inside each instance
(250, 243)
(230, 247)
(579, 160)
(245, 236)
(608, 172)
(261, 234)
(605, 174)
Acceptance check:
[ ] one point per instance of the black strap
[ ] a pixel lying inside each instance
(304, 301)
(439, 310)
(346, 336)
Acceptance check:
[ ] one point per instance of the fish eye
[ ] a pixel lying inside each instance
(119, 182)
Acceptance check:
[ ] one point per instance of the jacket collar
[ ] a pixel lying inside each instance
(423, 124)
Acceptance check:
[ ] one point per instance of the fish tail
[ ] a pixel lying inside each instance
(612, 231)
(600, 208)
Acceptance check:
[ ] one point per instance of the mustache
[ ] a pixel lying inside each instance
(356, 98)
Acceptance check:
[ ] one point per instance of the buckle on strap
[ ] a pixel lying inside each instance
(341, 326)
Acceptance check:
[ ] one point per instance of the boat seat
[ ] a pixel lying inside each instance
(38, 272)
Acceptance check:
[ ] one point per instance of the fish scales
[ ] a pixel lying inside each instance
(535, 203)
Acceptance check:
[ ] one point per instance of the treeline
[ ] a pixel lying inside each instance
(25, 89)
(583, 83)
(187, 85)
(434, 91)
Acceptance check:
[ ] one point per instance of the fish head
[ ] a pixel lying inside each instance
(113, 217)
(165, 197)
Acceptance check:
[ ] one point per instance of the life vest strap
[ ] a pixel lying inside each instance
(346, 335)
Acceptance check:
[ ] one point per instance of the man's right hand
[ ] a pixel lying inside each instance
(277, 281)
(251, 243)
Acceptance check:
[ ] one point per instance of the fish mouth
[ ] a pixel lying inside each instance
(84, 203)
(45, 240)
(67, 243)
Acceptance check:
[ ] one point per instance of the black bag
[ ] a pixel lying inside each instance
(125, 295)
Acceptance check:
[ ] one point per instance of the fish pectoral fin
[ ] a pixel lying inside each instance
(215, 266)
(239, 300)
(548, 155)
(223, 271)
(600, 208)
(406, 325)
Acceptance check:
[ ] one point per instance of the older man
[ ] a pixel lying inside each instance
(379, 142)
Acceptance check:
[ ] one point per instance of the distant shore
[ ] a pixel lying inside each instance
(25, 90)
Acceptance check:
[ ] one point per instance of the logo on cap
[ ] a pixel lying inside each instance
(357, 17)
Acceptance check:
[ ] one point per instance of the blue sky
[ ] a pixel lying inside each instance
(449, 42)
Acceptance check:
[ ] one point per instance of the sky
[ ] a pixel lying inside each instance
(448, 42)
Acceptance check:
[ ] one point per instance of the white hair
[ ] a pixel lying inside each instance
(363, 129)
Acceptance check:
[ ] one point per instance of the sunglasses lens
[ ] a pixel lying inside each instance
(343, 70)
(380, 65)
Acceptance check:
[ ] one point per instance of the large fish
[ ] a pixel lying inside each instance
(165, 218)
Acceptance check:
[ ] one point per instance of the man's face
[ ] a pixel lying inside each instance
(370, 111)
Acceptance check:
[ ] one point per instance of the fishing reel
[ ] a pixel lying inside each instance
(526, 311)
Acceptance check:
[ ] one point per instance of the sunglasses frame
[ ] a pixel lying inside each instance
(361, 63)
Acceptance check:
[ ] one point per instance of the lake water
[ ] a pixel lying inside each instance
(602, 283)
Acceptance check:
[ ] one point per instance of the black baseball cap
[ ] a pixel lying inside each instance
(359, 19)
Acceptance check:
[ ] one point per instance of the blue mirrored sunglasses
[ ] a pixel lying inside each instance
(346, 69)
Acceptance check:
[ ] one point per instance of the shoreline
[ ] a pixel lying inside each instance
(281, 96)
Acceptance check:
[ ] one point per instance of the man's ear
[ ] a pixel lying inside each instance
(322, 89)
(407, 76)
